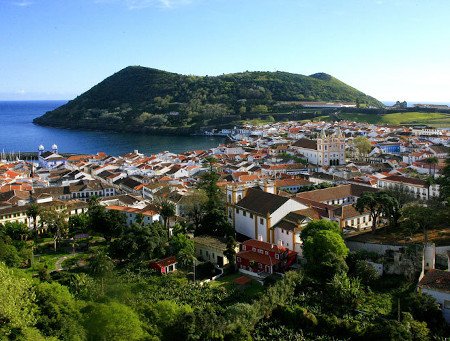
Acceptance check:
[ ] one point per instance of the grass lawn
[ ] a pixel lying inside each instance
(432, 119)
(250, 290)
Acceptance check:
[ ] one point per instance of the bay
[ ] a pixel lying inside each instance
(18, 133)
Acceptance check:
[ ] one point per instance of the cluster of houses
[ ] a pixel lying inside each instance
(275, 179)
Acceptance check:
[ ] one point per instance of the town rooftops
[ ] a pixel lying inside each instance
(261, 202)
(257, 244)
(337, 192)
(437, 280)
(306, 143)
(406, 180)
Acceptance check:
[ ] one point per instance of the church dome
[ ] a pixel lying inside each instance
(41, 147)
(54, 147)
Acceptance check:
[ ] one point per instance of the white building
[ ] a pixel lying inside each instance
(50, 160)
(255, 215)
(416, 187)
(324, 151)
(133, 215)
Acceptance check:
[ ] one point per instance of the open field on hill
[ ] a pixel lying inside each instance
(432, 119)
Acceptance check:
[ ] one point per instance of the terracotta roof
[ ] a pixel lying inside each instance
(337, 192)
(292, 182)
(404, 179)
(257, 257)
(306, 143)
(164, 262)
(264, 246)
(436, 279)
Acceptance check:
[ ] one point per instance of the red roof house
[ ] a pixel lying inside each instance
(165, 266)
(262, 257)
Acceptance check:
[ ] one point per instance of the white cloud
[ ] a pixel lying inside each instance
(23, 3)
(141, 4)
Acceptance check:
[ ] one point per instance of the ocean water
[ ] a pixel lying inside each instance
(19, 134)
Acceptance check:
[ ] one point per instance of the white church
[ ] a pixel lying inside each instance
(326, 150)
(50, 159)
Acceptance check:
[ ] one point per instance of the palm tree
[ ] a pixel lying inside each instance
(167, 211)
(432, 161)
(33, 211)
(429, 181)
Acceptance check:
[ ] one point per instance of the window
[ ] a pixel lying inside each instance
(251, 215)
(237, 210)
(238, 259)
(261, 221)
(277, 256)
(254, 249)
(244, 213)
(266, 253)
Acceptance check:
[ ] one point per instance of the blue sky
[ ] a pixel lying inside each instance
(57, 49)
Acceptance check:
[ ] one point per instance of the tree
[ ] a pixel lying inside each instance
(432, 162)
(183, 248)
(56, 223)
(140, 243)
(344, 293)
(325, 253)
(424, 308)
(261, 109)
(391, 209)
(166, 315)
(319, 225)
(33, 212)
(15, 230)
(230, 252)
(59, 314)
(166, 210)
(375, 203)
(78, 223)
(18, 309)
(108, 223)
(112, 321)
(9, 254)
(362, 145)
(444, 182)
(418, 217)
(214, 220)
(101, 266)
(195, 202)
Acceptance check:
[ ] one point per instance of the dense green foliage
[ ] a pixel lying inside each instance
(113, 295)
(142, 99)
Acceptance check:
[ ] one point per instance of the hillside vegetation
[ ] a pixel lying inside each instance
(145, 99)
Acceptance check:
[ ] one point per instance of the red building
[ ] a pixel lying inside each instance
(258, 257)
(165, 266)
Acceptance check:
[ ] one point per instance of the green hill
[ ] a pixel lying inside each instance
(145, 99)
